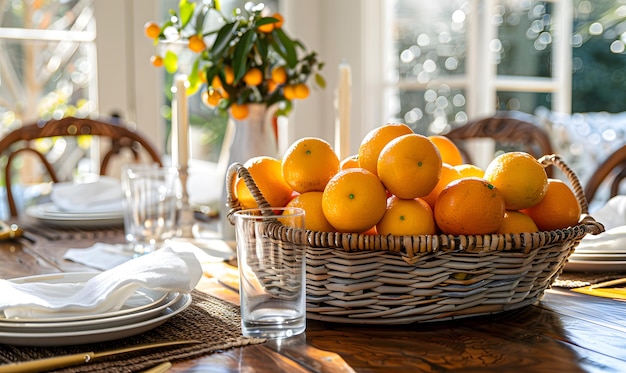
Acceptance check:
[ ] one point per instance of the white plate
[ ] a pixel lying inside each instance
(49, 214)
(74, 326)
(141, 299)
(95, 335)
(598, 257)
(594, 266)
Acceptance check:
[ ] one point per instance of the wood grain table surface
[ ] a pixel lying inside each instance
(564, 332)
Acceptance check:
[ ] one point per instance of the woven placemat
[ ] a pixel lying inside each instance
(579, 279)
(214, 322)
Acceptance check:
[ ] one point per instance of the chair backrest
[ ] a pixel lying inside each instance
(612, 170)
(19, 141)
(509, 128)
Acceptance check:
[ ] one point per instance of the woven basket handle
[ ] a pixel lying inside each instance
(234, 170)
(594, 226)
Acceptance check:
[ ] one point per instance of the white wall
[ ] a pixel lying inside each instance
(127, 82)
(335, 29)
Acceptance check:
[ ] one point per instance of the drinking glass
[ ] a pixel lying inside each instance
(271, 273)
(151, 196)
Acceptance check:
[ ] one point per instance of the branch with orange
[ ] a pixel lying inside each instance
(248, 59)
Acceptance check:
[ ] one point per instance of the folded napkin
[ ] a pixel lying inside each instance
(613, 213)
(610, 241)
(163, 270)
(101, 195)
(102, 256)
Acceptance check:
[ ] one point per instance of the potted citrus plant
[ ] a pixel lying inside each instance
(248, 60)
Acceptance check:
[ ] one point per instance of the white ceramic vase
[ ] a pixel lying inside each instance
(244, 139)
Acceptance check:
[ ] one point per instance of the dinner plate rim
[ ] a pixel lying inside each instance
(78, 277)
(107, 322)
(594, 265)
(95, 335)
(74, 220)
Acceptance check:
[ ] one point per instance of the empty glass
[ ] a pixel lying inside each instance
(151, 196)
(271, 274)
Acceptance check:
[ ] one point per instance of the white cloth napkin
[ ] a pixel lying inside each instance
(101, 195)
(613, 213)
(163, 270)
(613, 240)
(102, 256)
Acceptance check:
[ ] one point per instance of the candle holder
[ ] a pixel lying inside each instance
(186, 219)
(180, 151)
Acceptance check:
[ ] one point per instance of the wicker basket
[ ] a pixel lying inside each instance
(369, 279)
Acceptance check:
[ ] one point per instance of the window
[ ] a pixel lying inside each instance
(458, 59)
(48, 60)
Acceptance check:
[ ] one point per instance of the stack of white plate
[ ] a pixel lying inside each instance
(604, 252)
(50, 214)
(144, 310)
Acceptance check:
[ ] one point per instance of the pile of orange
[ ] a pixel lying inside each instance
(403, 183)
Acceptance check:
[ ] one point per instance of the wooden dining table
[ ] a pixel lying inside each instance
(565, 331)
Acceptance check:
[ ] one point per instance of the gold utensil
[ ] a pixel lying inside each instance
(56, 362)
(596, 289)
(9, 231)
(163, 367)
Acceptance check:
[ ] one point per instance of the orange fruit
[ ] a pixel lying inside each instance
(267, 175)
(156, 61)
(354, 200)
(216, 83)
(279, 75)
(239, 112)
(196, 44)
(271, 85)
(467, 170)
(289, 91)
(266, 28)
(253, 77)
(520, 178)
(517, 222)
(375, 140)
(211, 97)
(371, 232)
(229, 75)
(558, 209)
(308, 164)
(152, 30)
(405, 217)
(409, 166)
(301, 91)
(351, 161)
(469, 206)
(448, 175)
(311, 203)
(280, 19)
(450, 153)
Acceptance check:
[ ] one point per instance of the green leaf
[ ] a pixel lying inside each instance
(223, 39)
(194, 79)
(170, 62)
(240, 57)
(286, 48)
(186, 10)
(261, 46)
(321, 82)
(200, 19)
(266, 20)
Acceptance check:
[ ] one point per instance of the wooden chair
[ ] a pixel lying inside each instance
(612, 170)
(120, 137)
(509, 128)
